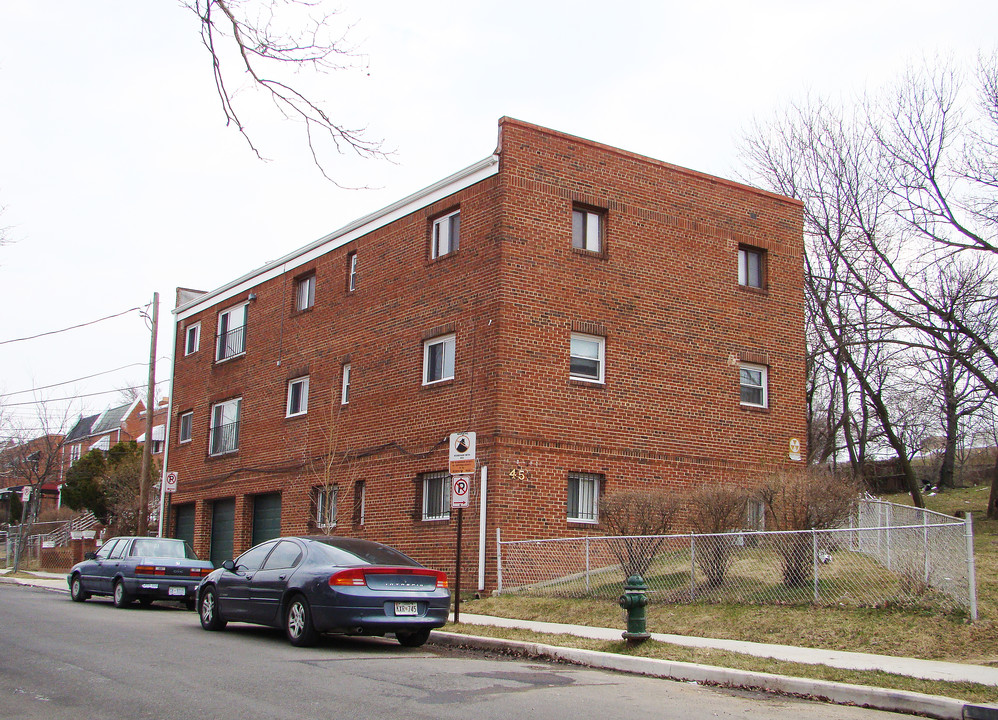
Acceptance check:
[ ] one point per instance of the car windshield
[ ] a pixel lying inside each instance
(351, 551)
(156, 547)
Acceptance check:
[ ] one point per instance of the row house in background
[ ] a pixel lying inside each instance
(601, 320)
(116, 424)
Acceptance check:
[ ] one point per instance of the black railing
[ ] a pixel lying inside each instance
(231, 343)
(224, 439)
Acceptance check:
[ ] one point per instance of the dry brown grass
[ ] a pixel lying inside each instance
(887, 631)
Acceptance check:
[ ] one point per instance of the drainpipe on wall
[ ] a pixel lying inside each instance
(482, 499)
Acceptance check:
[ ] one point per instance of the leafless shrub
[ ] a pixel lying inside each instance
(715, 509)
(805, 499)
(637, 516)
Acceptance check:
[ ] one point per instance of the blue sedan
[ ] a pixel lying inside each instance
(326, 584)
(139, 568)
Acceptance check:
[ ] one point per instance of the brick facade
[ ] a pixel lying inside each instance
(661, 292)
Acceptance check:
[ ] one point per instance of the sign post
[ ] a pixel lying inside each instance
(462, 466)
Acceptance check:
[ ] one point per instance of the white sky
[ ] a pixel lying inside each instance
(120, 178)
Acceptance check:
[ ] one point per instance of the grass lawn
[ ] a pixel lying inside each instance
(887, 631)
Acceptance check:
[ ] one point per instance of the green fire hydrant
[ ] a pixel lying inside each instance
(634, 601)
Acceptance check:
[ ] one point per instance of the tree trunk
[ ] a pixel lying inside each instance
(993, 496)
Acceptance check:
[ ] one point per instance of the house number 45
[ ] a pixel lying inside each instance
(518, 474)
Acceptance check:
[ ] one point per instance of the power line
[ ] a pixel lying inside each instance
(77, 397)
(68, 382)
(74, 327)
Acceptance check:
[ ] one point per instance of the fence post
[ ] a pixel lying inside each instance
(814, 561)
(925, 544)
(499, 561)
(889, 524)
(693, 568)
(971, 572)
(587, 566)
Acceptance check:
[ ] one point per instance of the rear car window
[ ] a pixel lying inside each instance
(351, 551)
(155, 547)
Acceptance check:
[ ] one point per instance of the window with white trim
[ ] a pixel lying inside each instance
(436, 496)
(352, 271)
(583, 497)
(587, 357)
(359, 502)
(297, 396)
(231, 333)
(345, 387)
(751, 263)
(587, 230)
(186, 431)
(754, 385)
(223, 436)
(325, 506)
(75, 451)
(305, 294)
(438, 359)
(446, 234)
(192, 338)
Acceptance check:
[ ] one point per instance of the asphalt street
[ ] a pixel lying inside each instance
(60, 659)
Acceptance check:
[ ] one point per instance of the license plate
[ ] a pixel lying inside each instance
(178, 591)
(405, 608)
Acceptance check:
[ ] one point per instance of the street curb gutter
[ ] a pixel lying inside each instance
(841, 693)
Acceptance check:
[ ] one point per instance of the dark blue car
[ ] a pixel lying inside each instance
(326, 584)
(139, 568)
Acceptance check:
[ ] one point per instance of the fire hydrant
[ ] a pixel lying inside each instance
(634, 601)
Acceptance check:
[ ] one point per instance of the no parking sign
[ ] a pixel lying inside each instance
(460, 491)
(171, 482)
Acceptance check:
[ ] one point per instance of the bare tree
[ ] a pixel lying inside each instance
(31, 460)
(805, 499)
(266, 41)
(713, 510)
(638, 517)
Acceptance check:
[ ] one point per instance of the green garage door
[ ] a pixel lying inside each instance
(223, 522)
(266, 517)
(184, 515)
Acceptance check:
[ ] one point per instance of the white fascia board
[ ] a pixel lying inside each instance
(358, 228)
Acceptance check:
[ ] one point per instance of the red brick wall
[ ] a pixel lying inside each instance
(664, 293)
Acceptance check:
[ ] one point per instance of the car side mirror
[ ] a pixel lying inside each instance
(90, 555)
(229, 565)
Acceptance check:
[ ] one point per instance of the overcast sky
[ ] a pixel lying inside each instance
(119, 177)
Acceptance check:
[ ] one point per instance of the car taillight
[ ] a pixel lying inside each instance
(352, 577)
(200, 572)
(149, 570)
(357, 577)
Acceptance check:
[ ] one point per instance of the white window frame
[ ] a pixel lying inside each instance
(445, 237)
(75, 452)
(587, 230)
(586, 497)
(230, 411)
(345, 385)
(436, 504)
(352, 271)
(600, 359)
(745, 277)
(747, 382)
(447, 365)
(302, 384)
(305, 292)
(326, 505)
(224, 350)
(192, 338)
(183, 437)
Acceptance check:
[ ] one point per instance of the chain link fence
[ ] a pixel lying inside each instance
(888, 554)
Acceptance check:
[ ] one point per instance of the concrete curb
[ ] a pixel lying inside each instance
(840, 693)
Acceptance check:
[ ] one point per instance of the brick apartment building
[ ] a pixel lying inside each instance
(600, 319)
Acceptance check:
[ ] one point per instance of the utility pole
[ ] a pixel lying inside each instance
(150, 409)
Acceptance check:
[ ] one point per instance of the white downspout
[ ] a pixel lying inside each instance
(483, 502)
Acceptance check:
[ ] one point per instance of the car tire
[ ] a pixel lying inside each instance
(298, 623)
(416, 638)
(122, 598)
(208, 610)
(76, 590)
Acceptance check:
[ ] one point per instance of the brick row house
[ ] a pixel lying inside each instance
(601, 320)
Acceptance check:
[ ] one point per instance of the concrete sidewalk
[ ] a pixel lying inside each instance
(924, 669)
